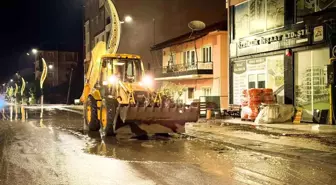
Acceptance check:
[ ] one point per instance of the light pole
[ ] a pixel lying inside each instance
(43, 77)
(69, 88)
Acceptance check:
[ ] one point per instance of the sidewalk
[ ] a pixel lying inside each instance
(279, 127)
(298, 141)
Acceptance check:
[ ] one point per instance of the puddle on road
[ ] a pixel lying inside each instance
(170, 149)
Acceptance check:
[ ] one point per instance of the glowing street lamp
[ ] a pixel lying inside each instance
(34, 51)
(50, 66)
(11, 80)
(127, 19)
(28, 54)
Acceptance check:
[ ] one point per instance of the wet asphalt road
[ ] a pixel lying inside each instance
(56, 151)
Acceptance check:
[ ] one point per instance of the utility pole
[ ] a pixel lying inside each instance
(153, 31)
(69, 88)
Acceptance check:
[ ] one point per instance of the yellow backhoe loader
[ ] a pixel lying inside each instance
(117, 93)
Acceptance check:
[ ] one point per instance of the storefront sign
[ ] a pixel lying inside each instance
(318, 34)
(281, 40)
(239, 67)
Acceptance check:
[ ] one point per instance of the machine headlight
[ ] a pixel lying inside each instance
(112, 79)
(147, 81)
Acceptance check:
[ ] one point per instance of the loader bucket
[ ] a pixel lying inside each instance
(159, 120)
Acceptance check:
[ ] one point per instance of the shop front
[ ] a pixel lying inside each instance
(293, 62)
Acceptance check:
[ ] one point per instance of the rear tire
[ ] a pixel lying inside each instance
(91, 116)
(107, 119)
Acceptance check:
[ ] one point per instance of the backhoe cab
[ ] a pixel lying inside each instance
(123, 96)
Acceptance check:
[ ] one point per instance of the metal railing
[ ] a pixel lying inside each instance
(177, 68)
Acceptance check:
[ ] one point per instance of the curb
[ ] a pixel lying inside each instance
(293, 155)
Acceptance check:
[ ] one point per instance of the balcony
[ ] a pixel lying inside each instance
(180, 70)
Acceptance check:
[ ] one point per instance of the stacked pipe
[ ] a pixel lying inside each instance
(251, 101)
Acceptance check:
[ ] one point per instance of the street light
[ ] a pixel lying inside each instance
(50, 66)
(28, 54)
(34, 51)
(11, 80)
(127, 19)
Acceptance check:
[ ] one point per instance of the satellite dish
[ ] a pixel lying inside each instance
(196, 25)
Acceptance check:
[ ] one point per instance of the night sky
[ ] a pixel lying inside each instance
(43, 24)
(52, 24)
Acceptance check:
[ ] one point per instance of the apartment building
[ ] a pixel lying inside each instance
(59, 65)
(97, 26)
(199, 62)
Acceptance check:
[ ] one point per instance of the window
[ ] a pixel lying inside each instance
(107, 38)
(50, 75)
(191, 92)
(305, 7)
(192, 59)
(310, 87)
(251, 81)
(108, 20)
(207, 54)
(69, 57)
(172, 59)
(102, 15)
(256, 81)
(103, 38)
(189, 58)
(129, 69)
(206, 91)
(184, 57)
(255, 16)
(261, 80)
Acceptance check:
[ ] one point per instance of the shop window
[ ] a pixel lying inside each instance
(256, 81)
(265, 72)
(191, 93)
(261, 80)
(311, 90)
(255, 16)
(305, 7)
(252, 81)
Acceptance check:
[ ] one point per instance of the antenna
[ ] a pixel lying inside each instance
(196, 26)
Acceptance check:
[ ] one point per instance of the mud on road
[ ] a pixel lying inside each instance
(57, 151)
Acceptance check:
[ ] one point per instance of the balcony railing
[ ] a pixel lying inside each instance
(185, 69)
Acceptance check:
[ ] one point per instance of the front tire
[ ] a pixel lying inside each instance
(108, 113)
(91, 115)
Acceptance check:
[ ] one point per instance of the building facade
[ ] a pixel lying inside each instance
(97, 27)
(284, 45)
(59, 65)
(198, 63)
